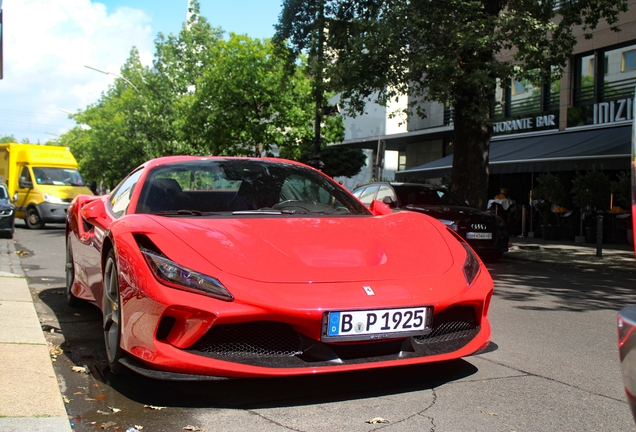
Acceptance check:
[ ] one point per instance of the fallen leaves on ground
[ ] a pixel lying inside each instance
(192, 428)
(378, 420)
(54, 351)
(152, 407)
(114, 410)
(80, 369)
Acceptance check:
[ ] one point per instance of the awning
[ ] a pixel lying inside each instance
(607, 148)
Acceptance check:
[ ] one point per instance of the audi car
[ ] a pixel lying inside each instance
(7, 213)
(221, 267)
(484, 231)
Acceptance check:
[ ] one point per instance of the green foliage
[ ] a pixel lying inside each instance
(204, 95)
(622, 190)
(549, 188)
(591, 188)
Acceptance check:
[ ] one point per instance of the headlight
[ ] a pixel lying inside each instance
(6, 212)
(52, 199)
(180, 277)
(449, 223)
(471, 265)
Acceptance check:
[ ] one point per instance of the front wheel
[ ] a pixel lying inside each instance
(111, 303)
(33, 219)
(71, 300)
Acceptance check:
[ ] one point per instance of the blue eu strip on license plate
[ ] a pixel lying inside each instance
(376, 324)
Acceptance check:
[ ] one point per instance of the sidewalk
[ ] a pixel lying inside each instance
(30, 398)
(614, 256)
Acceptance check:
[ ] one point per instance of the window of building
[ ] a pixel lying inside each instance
(401, 162)
(616, 75)
(629, 61)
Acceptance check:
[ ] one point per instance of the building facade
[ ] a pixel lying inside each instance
(580, 122)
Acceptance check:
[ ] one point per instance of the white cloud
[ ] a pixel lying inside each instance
(46, 45)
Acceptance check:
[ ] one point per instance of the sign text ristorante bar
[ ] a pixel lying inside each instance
(527, 124)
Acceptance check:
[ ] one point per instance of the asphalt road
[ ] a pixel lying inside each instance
(555, 366)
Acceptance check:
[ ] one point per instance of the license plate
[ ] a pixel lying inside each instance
(479, 235)
(377, 324)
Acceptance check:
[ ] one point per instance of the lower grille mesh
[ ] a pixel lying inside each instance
(450, 324)
(253, 339)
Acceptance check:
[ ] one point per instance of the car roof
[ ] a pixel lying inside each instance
(404, 184)
(166, 160)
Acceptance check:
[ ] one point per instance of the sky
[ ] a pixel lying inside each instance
(48, 43)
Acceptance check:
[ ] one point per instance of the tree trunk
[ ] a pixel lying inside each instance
(469, 175)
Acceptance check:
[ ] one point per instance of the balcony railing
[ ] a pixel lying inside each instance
(611, 90)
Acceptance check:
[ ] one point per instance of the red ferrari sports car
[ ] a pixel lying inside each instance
(208, 267)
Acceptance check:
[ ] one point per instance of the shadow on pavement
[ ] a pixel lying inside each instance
(537, 286)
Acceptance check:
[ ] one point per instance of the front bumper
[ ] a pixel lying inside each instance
(183, 333)
(52, 213)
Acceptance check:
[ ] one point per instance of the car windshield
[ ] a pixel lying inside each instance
(3, 193)
(423, 196)
(57, 176)
(242, 187)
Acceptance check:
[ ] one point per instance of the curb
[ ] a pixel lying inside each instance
(30, 399)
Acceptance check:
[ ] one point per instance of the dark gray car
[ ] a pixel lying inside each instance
(7, 213)
(485, 232)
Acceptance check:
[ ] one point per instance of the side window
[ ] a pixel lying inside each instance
(120, 198)
(368, 195)
(25, 178)
(303, 189)
(385, 191)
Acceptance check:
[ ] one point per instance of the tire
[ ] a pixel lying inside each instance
(111, 302)
(71, 300)
(33, 219)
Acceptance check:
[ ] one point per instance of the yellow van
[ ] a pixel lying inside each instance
(42, 180)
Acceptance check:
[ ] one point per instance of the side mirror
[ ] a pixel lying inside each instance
(389, 201)
(15, 197)
(94, 212)
(25, 183)
(379, 208)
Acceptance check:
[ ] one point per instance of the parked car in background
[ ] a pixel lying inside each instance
(256, 267)
(485, 232)
(7, 213)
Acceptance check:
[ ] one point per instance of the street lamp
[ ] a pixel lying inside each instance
(113, 74)
(120, 77)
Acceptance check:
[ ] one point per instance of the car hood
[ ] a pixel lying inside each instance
(4, 204)
(307, 249)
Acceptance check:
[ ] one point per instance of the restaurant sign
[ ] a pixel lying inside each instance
(543, 121)
(615, 111)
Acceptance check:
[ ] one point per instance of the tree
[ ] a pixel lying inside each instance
(203, 96)
(450, 51)
(245, 104)
(143, 115)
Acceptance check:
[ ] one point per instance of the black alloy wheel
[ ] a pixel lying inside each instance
(111, 303)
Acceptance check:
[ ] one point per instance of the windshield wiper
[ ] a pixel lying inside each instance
(264, 211)
(182, 213)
